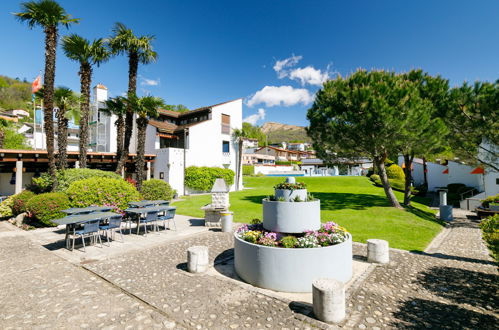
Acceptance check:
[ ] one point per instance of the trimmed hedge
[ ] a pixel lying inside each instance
(248, 169)
(67, 177)
(20, 200)
(202, 178)
(102, 191)
(156, 189)
(48, 206)
(395, 172)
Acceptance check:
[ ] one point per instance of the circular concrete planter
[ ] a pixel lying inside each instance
(291, 270)
(291, 194)
(291, 217)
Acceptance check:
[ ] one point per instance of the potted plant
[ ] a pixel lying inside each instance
(295, 191)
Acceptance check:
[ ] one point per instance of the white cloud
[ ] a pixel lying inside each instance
(281, 66)
(252, 119)
(309, 75)
(281, 95)
(149, 82)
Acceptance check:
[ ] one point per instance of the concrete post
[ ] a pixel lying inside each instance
(148, 172)
(19, 176)
(197, 259)
(328, 297)
(77, 164)
(443, 197)
(377, 251)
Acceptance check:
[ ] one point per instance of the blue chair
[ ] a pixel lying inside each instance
(90, 229)
(151, 217)
(168, 216)
(113, 223)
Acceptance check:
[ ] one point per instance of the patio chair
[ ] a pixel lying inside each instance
(113, 223)
(168, 216)
(151, 217)
(90, 229)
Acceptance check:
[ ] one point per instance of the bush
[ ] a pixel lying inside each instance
(203, 178)
(20, 200)
(395, 172)
(490, 232)
(6, 207)
(156, 189)
(48, 206)
(491, 199)
(102, 192)
(374, 178)
(248, 169)
(289, 242)
(67, 177)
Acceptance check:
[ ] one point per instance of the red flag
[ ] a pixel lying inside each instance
(478, 170)
(446, 171)
(36, 85)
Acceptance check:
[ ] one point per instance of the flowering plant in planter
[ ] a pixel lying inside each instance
(290, 186)
(329, 234)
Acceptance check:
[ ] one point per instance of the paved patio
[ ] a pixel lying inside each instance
(452, 286)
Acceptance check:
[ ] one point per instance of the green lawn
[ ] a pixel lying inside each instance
(353, 202)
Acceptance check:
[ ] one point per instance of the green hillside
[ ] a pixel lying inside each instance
(14, 93)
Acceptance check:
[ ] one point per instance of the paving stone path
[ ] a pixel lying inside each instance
(451, 286)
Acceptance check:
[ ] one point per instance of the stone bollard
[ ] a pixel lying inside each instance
(377, 251)
(226, 218)
(328, 296)
(197, 259)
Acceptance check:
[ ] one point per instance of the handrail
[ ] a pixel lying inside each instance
(467, 191)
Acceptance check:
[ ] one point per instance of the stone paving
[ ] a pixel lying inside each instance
(453, 285)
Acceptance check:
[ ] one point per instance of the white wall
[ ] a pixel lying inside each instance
(6, 188)
(170, 161)
(491, 186)
(272, 169)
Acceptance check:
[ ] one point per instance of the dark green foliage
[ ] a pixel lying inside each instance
(20, 200)
(48, 206)
(248, 169)
(255, 221)
(291, 186)
(177, 108)
(203, 178)
(102, 191)
(395, 172)
(490, 232)
(156, 189)
(254, 132)
(67, 177)
(289, 242)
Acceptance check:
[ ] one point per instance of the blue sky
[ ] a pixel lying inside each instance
(274, 53)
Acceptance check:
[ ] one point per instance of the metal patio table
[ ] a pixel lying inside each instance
(148, 203)
(85, 210)
(136, 212)
(72, 220)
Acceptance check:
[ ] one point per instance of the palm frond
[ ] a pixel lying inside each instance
(44, 13)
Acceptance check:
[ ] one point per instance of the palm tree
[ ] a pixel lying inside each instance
(66, 101)
(87, 54)
(238, 135)
(117, 106)
(145, 107)
(138, 50)
(47, 14)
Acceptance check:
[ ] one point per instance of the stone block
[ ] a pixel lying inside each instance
(197, 259)
(328, 297)
(378, 251)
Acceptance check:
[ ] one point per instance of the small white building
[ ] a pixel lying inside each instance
(317, 167)
(250, 143)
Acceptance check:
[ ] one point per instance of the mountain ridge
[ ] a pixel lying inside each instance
(278, 132)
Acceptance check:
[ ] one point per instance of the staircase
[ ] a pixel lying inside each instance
(471, 203)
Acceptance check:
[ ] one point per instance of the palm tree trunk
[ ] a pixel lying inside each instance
(133, 64)
(380, 163)
(141, 143)
(408, 178)
(120, 132)
(239, 164)
(62, 139)
(85, 80)
(48, 97)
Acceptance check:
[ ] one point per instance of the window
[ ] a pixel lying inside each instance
(225, 147)
(225, 124)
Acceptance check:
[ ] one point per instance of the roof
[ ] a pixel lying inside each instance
(177, 114)
(169, 127)
(100, 86)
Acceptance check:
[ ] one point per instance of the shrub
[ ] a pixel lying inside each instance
(491, 199)
(20, 200)
(156, 189)
(290, 186)
(490, 232)
(102, 191)
(48, 206)
(255, 221)
(67, 177)
(6, 207)
(374, 178)
(203, 178)
(395, 172)
(248, 169)
(289, 242)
